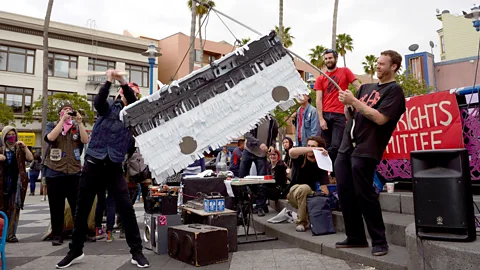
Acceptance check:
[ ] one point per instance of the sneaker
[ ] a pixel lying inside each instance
(43, 199)
(261, 213)
(14, 239)
(109, 236)
(300, 228)
(140, 261)
(99, 233)
(351, 244)
(72, 257)
(380, 250)
(57, 241)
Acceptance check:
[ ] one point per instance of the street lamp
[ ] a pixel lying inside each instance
(475, 16)
(152, 54)
(311, 81)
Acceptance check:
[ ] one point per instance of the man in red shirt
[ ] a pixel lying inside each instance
(330, 109)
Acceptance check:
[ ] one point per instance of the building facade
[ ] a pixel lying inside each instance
(458, 38)
(73, 51)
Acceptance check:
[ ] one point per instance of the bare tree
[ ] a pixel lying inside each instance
(46, 26)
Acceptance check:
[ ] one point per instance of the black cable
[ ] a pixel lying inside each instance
(192, 45)
(236, 39)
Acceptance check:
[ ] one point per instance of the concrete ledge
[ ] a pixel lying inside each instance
(437, 255)
(396, 259)
(395, 224)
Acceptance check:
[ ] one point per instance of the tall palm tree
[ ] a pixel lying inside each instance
(316, 56)
(287, 39)
(46, 25)
(334, 25)
(201, 11)
(344, 44)
(280, 19)
(370, 65)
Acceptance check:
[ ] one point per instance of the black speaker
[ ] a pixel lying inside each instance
(442, 195)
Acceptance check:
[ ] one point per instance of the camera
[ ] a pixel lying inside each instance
(72, 113)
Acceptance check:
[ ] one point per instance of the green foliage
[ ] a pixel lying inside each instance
(316, 57)
(244, 41)
(6, 114)
(344, 44)
(201, 10)
(352, 89)
(287, 38)
(78, 102)
(370, 65)
(412, 86)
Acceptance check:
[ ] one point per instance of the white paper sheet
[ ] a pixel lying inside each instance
(228, 185)
(323, 162)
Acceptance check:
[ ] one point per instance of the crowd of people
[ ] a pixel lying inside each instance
(352, 130)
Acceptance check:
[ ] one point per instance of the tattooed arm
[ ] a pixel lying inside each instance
(370, 113)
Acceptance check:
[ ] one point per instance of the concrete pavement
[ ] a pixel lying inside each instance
(33, 253)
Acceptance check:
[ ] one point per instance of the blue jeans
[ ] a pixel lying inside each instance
(33, 177)
(109, 203)
(261, 164)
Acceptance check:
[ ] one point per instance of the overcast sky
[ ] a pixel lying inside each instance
(374, 25)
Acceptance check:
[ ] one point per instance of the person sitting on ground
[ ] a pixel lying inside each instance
(279, 173)
(305, 175)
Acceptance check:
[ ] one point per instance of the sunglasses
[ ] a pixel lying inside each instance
(330, 51)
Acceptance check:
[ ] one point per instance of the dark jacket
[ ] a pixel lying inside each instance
(110, 138)
(252, 144)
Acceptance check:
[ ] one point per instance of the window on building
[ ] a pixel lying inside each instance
(63, 66)
(91, 98)
(99, 65)
(211, 58)
(137, 74)
(197, 55)
(53, 92)
(19, 99)
(307, 75)
(442, 43)
(17, 59)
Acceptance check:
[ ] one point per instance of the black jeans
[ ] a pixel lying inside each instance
(133, 194)
(60, 188)
(261, 165)
(333, 135)
(102, 204)
(33, 178)
(104, 172)
(357, 197)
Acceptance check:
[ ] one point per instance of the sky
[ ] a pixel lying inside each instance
(374, 25)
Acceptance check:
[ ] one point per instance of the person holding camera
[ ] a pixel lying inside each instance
(66, 139)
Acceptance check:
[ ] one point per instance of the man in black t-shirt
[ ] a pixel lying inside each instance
(305, 175)
(377, 109)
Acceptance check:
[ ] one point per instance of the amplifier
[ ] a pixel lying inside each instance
(162, 222)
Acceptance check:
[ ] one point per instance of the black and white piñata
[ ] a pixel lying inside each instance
(213, 105)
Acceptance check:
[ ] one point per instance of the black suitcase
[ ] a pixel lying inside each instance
(197, 244)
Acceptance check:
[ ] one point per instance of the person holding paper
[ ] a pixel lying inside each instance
(378, 107)
(305, 175)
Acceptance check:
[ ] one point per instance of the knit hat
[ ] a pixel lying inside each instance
(63, 105)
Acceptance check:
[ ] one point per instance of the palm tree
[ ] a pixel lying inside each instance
(286, 37)
(46, 25)
(191, 63)
(201, 10)
(370, 65)
(334, 25)
(244, 41)
(344, 44)
(316, 56)
(280, 18)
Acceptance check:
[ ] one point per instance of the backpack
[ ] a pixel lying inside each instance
(137, 169)
(320, 214)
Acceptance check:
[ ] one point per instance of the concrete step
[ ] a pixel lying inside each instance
(402, 202)
(396, 259)
(395, 223)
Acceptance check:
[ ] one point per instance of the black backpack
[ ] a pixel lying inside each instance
(320, 214)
